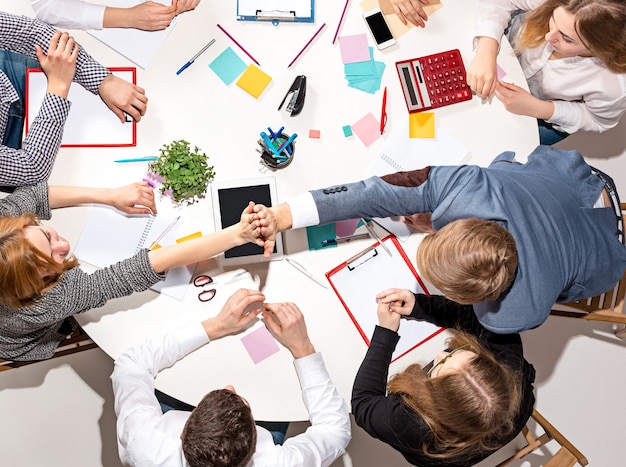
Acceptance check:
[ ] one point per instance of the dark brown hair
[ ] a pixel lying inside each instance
(220, 432)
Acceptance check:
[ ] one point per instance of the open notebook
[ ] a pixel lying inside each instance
(110, 236)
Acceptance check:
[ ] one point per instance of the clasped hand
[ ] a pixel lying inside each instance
(392, 305)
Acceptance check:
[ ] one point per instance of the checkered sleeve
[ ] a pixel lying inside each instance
(20, 34)
(33, 163)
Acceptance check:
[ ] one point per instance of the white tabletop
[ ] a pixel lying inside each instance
(225, 122)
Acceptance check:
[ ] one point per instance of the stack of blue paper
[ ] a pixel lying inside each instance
(365, 76)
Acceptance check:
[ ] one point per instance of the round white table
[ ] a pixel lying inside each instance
(224, 121)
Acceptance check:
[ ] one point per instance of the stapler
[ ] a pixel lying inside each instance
(298, 93)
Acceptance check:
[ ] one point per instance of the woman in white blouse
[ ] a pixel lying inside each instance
(573, 54)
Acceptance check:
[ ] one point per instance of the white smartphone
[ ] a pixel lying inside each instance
(379, 28)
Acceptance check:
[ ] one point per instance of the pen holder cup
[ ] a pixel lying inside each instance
(270, 160)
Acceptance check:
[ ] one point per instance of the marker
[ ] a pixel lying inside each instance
(137, 159)
(286, 143)
(332, 241)
(193, 59)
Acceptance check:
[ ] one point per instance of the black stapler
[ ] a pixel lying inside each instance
(298, 93)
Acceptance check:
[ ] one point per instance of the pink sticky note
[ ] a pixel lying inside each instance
(500, 71)
(314, 133)
(354, 48)
(367, 129)
(346, 228)
(260, 344)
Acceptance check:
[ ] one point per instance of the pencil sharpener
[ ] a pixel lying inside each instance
(296, 95)
(269, 159)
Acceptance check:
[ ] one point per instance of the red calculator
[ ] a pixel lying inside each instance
(433, 81)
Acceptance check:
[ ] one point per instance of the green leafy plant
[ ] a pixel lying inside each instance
(184, 174)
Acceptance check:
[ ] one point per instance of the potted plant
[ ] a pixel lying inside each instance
(183, 174)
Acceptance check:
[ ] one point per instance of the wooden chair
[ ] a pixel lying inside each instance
(75, 342)
(566, 456)
(607, 307)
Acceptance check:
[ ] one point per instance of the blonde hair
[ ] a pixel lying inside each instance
(469, 260)
(25, 272)
(600, 24)
(468, 411)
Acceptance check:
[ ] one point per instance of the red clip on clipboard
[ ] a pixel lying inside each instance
(90, 123)
(357, 281)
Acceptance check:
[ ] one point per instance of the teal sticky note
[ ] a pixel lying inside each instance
(318, 233)
(228, 66)
(347, 131)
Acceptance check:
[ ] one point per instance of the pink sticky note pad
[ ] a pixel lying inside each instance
(260, 344)
(367, 129)
(500, 71)
(354, 48)
(315, 134)
(346, 228)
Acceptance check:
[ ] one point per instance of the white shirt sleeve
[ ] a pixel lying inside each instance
(72, 14)
(329, 434)
(137, 408)
(493, 16)
(303, 211)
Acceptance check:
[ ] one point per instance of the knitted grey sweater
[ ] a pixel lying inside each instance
(31, 332)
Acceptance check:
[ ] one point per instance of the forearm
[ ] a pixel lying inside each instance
(63, 196)
(195, 250)
(116, 18)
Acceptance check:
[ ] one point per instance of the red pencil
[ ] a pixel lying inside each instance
(306, 45)
(238, 45)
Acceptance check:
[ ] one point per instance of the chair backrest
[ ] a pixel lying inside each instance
(566, 456)
(607, 307)
(75, 342)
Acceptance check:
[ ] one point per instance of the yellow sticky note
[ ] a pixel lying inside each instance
(254, 81)
(422, 125)
(189, 237)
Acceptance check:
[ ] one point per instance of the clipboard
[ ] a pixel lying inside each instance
(90, 123)
(357, 281)
(295, 11)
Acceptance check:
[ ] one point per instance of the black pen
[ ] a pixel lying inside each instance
(332, 241)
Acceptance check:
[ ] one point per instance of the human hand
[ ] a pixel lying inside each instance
(247, 227)
(149, 16)
(387, 318)
(234, 317)
(410, 11)
(482, 74)
(136, 198)
(420, 222)
(519, 101)
(121, 96)
(286, 323)
(269, 222)
(185, 5)
(399, 301)
(59, 64)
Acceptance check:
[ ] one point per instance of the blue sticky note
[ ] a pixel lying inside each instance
(228, 66)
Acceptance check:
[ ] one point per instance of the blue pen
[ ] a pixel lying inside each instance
(193, 59)
(137, 159)
(269, 144)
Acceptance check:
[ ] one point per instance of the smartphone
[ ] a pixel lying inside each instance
(379, 28)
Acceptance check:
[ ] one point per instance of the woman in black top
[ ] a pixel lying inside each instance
(473, 399)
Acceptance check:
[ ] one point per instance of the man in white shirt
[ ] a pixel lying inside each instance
(206, 436)
(76, 14)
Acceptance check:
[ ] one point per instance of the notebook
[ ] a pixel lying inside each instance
(433, 81)
(402, 153)
(357, 281)
(136, 45)
(90, 122)
(110, 236)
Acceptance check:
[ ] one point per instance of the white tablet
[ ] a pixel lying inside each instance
(230, 197)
